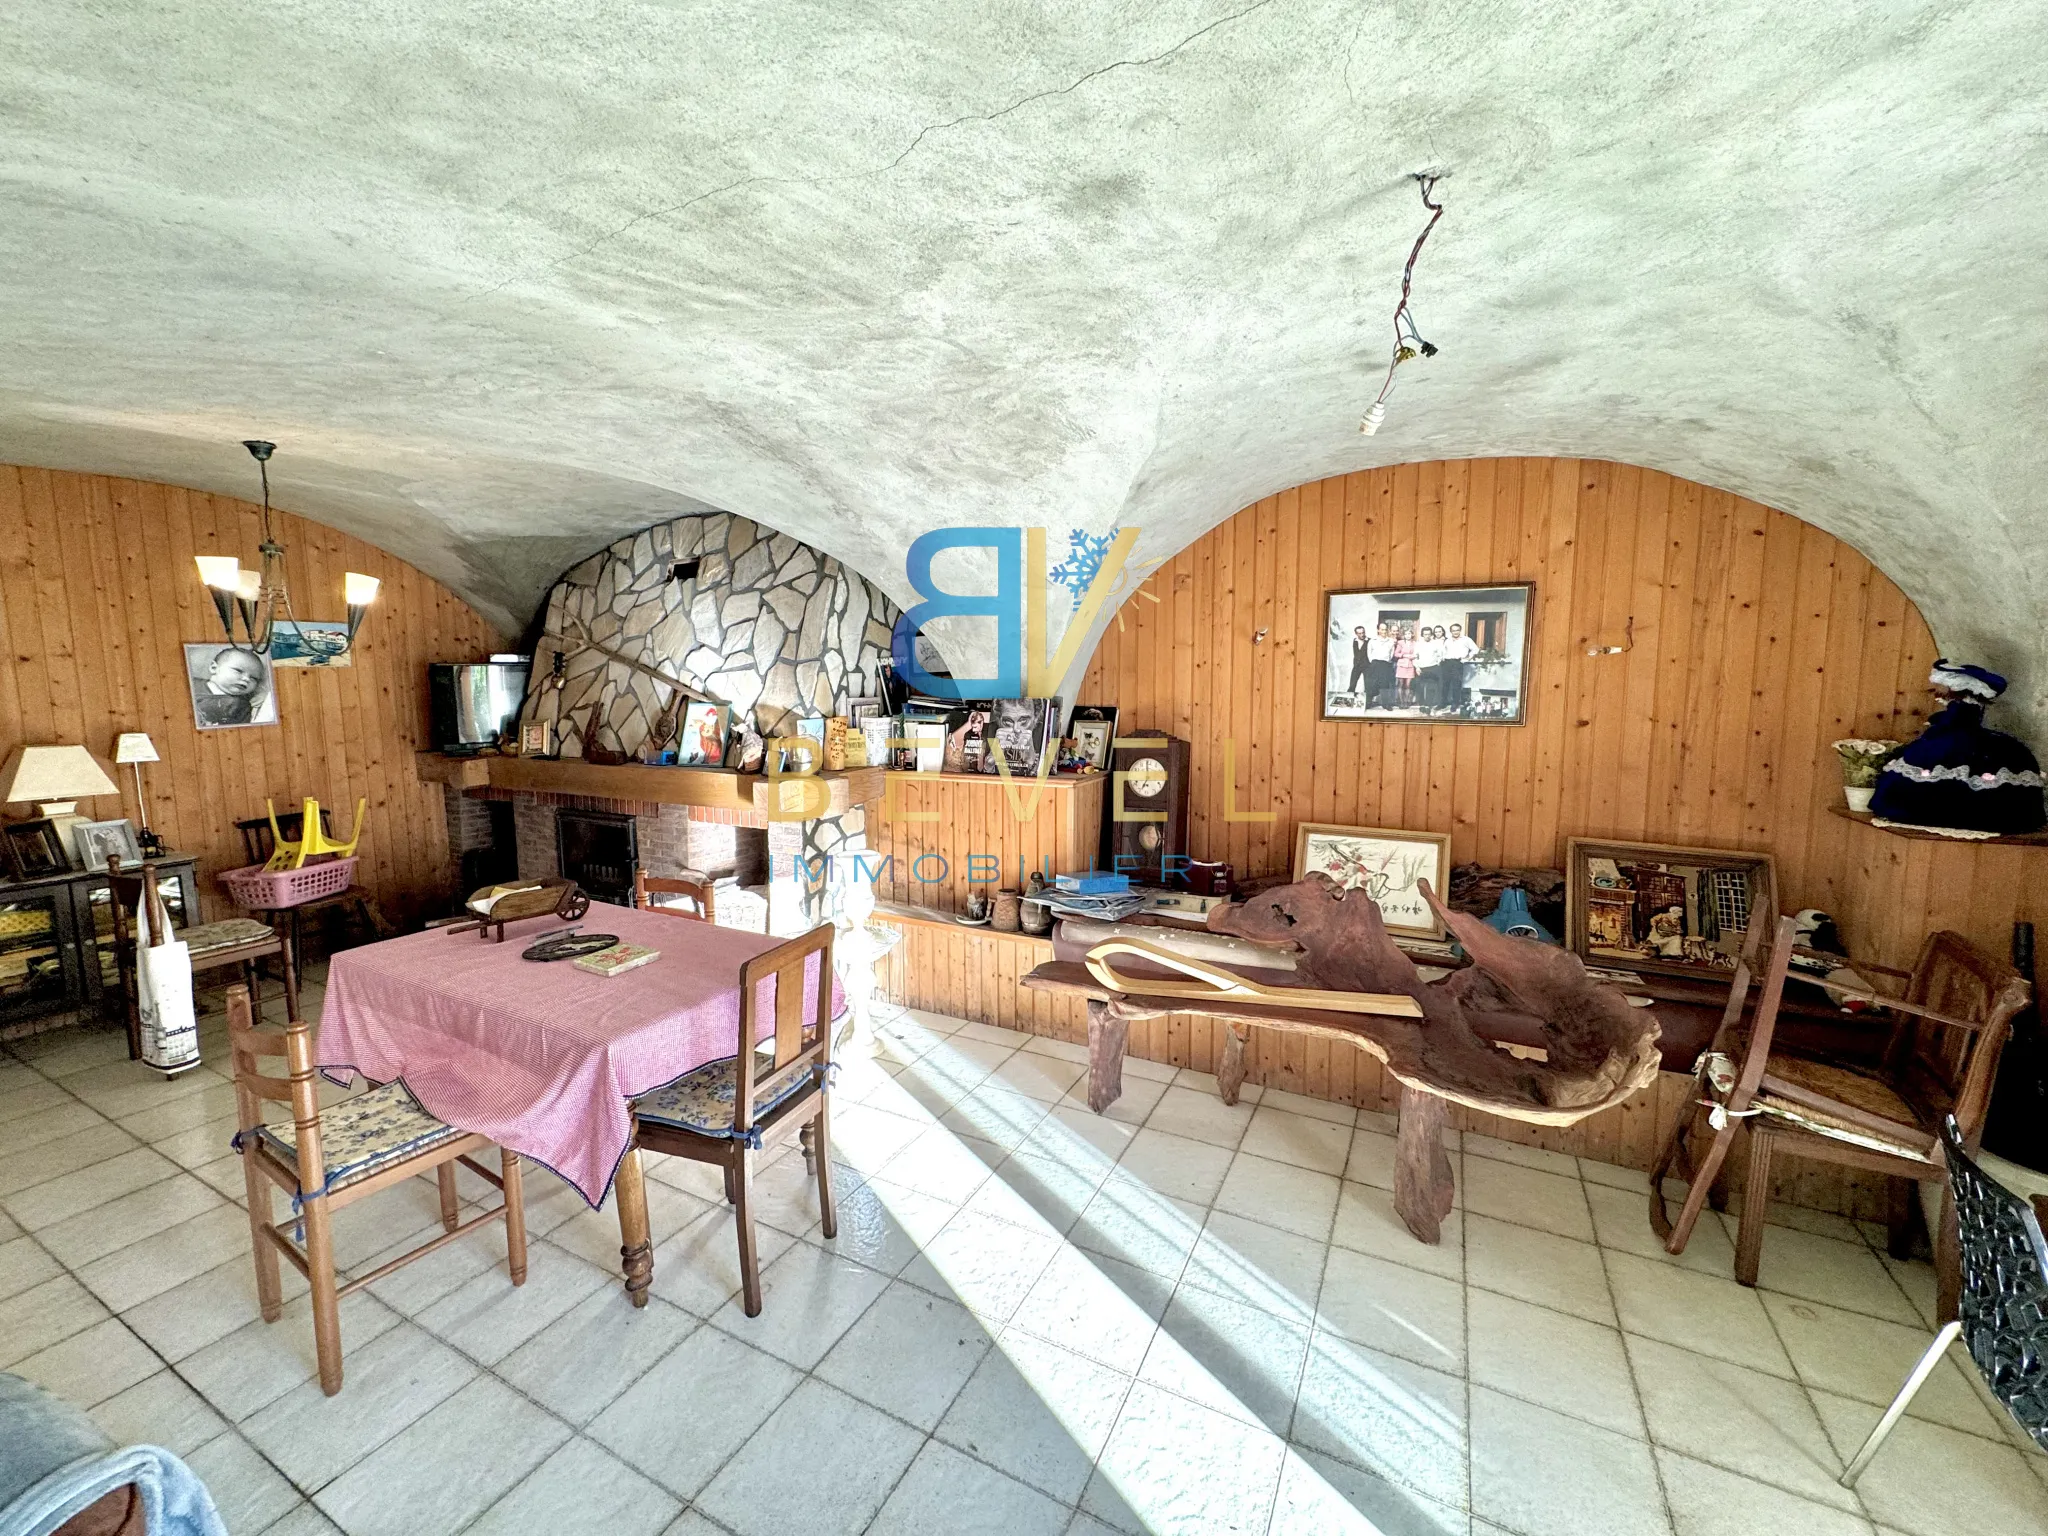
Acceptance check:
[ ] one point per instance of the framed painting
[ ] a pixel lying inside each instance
(1454, 655)
(1648, 907)
(1388, 865)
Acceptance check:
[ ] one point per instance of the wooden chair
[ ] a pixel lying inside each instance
(213, 946)
(325, 1159)
(259, 843)
(1883, 1114)
(690, 884)
(726, 1111)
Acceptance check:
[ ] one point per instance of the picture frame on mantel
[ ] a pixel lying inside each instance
(1442, 655)
(1388, 864)
(35, 848)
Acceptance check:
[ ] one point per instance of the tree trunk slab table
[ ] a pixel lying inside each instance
(1598, 1051)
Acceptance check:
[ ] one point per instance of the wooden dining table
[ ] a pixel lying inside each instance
(544, 1058)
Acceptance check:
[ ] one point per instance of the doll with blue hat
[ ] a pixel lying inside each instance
(1960, 778)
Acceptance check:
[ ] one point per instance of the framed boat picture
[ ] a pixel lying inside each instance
(1451, 655)
(1388, 865)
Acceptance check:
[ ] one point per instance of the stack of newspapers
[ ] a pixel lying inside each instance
(1109, 907)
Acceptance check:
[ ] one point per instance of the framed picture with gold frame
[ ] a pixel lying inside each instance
(1649, 907)
(1389, 865)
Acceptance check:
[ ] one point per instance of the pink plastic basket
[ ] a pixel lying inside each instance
(256, 889)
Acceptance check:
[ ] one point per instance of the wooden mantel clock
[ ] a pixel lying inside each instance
(1149, 780)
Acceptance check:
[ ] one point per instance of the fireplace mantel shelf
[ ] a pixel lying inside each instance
(712, 788)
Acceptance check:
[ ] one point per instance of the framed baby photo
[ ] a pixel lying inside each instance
(1449, 655)
(231, 686)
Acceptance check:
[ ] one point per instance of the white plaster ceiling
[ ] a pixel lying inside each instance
(506, 281)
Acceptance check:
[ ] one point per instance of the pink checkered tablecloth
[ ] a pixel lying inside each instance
(542, 1058)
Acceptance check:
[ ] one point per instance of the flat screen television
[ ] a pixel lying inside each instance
(471, 704)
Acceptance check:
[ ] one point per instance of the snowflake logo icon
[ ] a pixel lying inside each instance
(1085, 554)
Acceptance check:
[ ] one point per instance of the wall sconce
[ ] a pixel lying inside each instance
(259, 597)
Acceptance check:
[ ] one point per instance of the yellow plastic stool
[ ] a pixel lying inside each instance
(312, 841)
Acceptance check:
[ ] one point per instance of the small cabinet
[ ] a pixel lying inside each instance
(57, 938)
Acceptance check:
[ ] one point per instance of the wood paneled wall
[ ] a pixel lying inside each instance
(1024, 826)
(1751, 642)
(98, 596)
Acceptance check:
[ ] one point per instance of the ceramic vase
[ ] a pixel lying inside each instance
(1858, 795)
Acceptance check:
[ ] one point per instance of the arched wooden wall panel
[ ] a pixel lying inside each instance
(1753, 640)
(98, 596)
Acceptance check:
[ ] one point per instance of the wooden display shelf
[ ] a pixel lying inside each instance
(2013, 840)
(712, 788)
(1018, 781)
(937, 917)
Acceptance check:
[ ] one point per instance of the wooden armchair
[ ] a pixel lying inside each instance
(234, 941)
(327, 1159)
(1939, 1058)
(726, 1111)
(690, 884)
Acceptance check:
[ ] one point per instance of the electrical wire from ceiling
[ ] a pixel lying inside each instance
(1408, 342)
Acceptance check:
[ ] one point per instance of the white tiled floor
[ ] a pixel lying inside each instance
(1176, 1317)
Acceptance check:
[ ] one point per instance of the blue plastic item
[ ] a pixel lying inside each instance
(1512, 918)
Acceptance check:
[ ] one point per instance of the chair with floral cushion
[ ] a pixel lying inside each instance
(324, 1159)
(727, 1110)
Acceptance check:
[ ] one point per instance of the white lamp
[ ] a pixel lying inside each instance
(58, 778)
(134, 748)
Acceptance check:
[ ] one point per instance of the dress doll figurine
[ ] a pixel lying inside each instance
(1960, 777)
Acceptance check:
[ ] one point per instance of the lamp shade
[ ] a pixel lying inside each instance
(358, 590)
(134, 747)
(219, 570)
(53, 773)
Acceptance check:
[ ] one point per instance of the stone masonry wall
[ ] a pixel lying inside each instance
(768, 625)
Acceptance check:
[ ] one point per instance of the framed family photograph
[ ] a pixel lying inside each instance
(96, 840)
(1452, 654)
(1388, 865)
(231, 686)
(35, 848)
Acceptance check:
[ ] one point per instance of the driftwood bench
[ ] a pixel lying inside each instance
(1597, 1050)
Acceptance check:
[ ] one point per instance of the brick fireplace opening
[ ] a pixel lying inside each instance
(599, 850)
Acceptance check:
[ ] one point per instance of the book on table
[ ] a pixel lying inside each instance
(620, 957)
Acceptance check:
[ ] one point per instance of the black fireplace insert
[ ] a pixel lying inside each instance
(599, 850)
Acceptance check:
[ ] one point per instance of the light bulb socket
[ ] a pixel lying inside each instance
(1374, 415)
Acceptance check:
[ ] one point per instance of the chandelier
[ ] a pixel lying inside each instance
(260, 598)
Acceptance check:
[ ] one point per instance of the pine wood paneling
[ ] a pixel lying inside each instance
(98, 597)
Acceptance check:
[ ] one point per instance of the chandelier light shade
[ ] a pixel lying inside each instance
(260, 599)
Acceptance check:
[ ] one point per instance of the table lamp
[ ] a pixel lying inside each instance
(57, 778)
(135, 748)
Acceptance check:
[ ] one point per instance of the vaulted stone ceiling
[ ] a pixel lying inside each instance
(506, 281)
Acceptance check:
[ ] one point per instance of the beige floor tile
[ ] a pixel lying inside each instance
(1555, 1272)
(52, 1115)
(580, 1491)
(248, 1491)
(1707, 1501)
(660, 1425)
(1929, 1480)
(989, 1266)
(1321, 1496)
(206, 1106)
(1131, 1221)
(1200, 1116)
(1541, 1473)
(1613, 1176)
(699, 1268)
(997, 1114)
(24, 1094)
(809, 1297)
(1368, 1223)
(1234, 1359)
(946, 1492)
(46, 1314)
(1075, 1304)
(1307, 1141)
(1393, 1309)
(160, 1410)
(1140, 1096)
(207, 1307)
(91, 1180)
(1707, 1313)
(1745, 1421)
(1563, 1363)
(1176, 1165)
(585, 1358)
(1371, 1160)
(78, 1240)
(23, 1263)
(1502, 1151)
(1056, 1190)
(389, 1382)
(1531, 1197)
(1038, 1412)
(1280, 1195)
(909, 1355)
(133, 1274)
(1400, 1421)
(1305, 1104)
(1146, 1461)
(487, 1316)
(1846, 1275)
(823, 1464)
(445, 1469)
(1862, 1357)
(865, 1135)
(90, 1367)
(1074, 1133)
(593, 1235)
(1205, 1082)
(260, 1362)
(1260, 1265)
(1621, 1221)
(1037, 1076)
(881, 1224)
(943, 1163)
